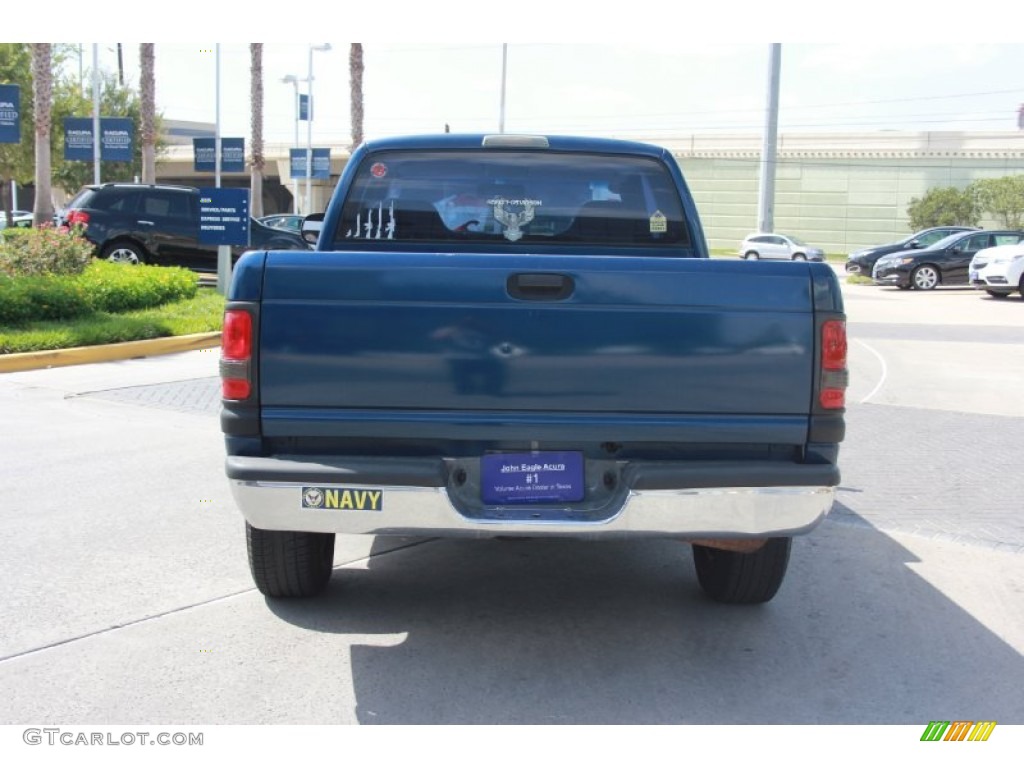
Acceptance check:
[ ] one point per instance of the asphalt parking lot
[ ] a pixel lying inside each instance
(129, 598)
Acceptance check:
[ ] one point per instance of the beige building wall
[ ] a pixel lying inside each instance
(839, 191)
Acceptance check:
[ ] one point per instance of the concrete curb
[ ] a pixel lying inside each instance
(28, 361)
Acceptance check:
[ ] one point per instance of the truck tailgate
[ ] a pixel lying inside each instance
(631, 335)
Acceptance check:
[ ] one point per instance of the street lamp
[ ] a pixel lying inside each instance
(295, 83)
(309, 126)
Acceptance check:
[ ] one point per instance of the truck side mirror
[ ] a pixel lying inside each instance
(311, 227)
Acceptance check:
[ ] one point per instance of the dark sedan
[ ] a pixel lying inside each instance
(861, 262)
(944, 263)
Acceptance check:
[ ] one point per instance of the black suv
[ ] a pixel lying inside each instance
(158, 224)
(862, 261)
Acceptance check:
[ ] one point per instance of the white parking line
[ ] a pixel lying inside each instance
(885, 371)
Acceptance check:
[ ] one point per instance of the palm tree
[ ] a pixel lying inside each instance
(148, 113)
(355, 73)
(42, 97)
(258, 161)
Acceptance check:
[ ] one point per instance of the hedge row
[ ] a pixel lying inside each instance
(101, 287)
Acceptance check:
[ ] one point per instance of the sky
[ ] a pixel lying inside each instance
(647, 71)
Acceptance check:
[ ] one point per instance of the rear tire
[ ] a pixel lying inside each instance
(752, 255)
(124, 252)
(742, 579)
(289, 563)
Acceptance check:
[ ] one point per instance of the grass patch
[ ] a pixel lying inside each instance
(201, 313)
(859, 280)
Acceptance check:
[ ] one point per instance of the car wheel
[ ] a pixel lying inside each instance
(738, 578)
(289, 563)
(1020, 286)
(997, 294)
(752, 255)
(799, 257)
(925, 277)
(124, 252)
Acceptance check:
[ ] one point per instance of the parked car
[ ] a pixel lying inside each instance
(158, 224)
(289, 221)
(999, 271)
(944, 263)
(862, 261)
(765, 246)
(22, 220)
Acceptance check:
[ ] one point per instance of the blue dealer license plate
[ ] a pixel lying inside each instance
(523, 478)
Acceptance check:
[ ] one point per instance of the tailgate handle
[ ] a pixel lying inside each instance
(540, 286)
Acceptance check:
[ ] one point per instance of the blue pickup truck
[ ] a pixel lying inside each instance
(524, 336)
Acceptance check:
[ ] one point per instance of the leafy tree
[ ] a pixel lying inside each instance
(944, 206)
(1003, 198)
(115, 101)
(17, 161)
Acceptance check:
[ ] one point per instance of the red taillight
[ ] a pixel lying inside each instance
(80, 218)
(236, 355)
(834, 376)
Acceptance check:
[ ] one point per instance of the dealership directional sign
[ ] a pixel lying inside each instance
(232, 155)
(10, 114)
(304, 106)
(115, 139)
(321, 163)
(223, 216)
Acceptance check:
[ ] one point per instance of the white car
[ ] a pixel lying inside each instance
(765, 246)
(999, 271)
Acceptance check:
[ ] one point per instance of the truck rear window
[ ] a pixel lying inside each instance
(512, 198)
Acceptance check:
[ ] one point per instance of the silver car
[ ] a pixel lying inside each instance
(764, 246)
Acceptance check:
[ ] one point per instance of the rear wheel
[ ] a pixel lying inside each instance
(737, 578)
(124, 252)
(1020, 286)
(289, 563)
(925, 277)
(752, 255)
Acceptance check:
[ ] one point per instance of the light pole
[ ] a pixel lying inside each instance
(295, 84)
(309, 126)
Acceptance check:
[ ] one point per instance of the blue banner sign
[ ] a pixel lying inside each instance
(78, 138)
(223, 216)
(232, 158)
(304, 113)
(10, 114)
(115, 139)
(321, 163)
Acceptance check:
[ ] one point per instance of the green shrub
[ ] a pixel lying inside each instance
(102, 287)
(45, 297)
(43, 251)
(123, 287)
